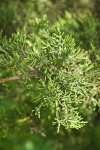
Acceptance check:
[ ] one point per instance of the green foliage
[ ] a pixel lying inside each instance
(29, 142)
(82, 27)
(61, 86)
(49, 77)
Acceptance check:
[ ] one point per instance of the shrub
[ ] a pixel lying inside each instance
(54, 79)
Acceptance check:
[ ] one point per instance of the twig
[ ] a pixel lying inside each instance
(16, 77)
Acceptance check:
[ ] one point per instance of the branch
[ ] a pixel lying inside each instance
(15, 77)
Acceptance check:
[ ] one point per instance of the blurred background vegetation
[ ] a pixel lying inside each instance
(81, 19)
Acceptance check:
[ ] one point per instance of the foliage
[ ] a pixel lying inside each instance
(29, 142)
(62, 83)
(49, 78)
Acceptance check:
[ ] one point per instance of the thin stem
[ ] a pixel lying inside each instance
(15, 77)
